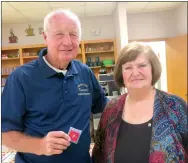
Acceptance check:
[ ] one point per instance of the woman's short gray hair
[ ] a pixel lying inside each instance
(69, 13)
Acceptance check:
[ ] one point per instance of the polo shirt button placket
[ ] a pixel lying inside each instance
(65, 86)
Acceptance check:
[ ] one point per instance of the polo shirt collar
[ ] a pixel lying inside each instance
(55, 69)
(47, 71)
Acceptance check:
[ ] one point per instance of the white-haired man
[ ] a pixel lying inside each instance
(45, 99)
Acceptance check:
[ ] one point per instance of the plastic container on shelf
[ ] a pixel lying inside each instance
(108, 62)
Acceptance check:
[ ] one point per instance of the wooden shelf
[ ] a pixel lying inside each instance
(10, 48)
(82, 54)
(110, 66)
(4, 75)
(34, 46)
(100, 66)
(5, 59)
(98, 41)
(33, 57)
(107, 51)
(95, 67)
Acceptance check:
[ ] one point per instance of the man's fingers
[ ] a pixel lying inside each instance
(59, 134)
(60, 141)
(54, 143)
(52, 151)
(58, 147)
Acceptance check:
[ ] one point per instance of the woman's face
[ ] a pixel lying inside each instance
(137, 74)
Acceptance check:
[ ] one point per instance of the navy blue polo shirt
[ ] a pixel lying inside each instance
(36, 101)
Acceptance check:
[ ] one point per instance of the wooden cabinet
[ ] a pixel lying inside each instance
(97, 51)
(30, 52)
(176, 57)
(13, 57)
(10, 61)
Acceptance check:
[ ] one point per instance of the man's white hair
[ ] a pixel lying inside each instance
(68, 13)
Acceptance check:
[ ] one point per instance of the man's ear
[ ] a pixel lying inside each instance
(44, 35)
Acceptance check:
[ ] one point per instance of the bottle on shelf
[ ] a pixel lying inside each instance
(4, 56)
(97, 60)
(103, 69)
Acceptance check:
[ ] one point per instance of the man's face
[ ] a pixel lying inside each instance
(62, 39)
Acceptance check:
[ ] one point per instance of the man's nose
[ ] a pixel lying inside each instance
(67, 40)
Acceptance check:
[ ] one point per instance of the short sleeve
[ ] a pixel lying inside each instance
(99, 100)
(12, 106)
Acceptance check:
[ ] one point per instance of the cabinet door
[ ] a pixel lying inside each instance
(176, 53)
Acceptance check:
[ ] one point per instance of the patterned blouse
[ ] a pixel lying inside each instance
(169, 140)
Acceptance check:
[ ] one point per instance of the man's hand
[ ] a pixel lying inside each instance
(54, 142)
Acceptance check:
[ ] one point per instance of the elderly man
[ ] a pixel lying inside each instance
(45, 100)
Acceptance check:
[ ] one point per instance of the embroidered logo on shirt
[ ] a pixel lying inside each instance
(83, 89)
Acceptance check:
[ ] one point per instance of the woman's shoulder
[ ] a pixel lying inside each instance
(114, 107)
(174, 102)
(171, 98)
(115, 102)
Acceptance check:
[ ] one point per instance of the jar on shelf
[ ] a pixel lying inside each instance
(97, 60)
(88, 64)
(103, 69)
(88, 59)
(4, 56)
(87, 49)
(91, 64)
(95, 64)
(18, 54)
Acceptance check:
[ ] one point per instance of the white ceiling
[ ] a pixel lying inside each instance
(23, 12)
